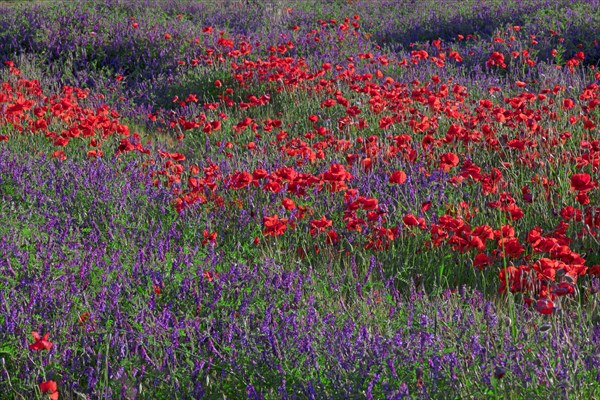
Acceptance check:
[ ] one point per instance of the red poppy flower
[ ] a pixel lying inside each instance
(337, 172)
(515, 212)
(385, 122)
(368, 203)
(563, 289)
(425, 206)
(209, 237)
(496, 59)
(517, 279)
(335, 177)
(582, 198)
(398, 177)
(319, 225)
(547, 268)
(582, 182)
(510, 247)
(568, 104)
(274, 226)
(448, 160)
(260, 174)
(241, 180)
(544, 306)
(569, 213)
(411, 220)
(480, 261)
(51, 388)
(288, 204)
(59, 154)
(332, 237)
(328, 103)
(41, 343)
(594, 270)
(209, 277)
(367, 163)
(61, 141)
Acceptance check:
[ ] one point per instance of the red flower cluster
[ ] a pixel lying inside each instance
(367, 127)
(51, 388)
(41, 343)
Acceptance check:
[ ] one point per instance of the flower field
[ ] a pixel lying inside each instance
(376, 199)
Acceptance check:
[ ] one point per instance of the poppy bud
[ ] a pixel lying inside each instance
(544, 306)
(499, 372)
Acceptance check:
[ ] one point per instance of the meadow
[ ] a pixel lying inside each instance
(382, 199)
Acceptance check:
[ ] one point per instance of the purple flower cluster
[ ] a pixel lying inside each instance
(135, 300)
(135, 308)
(87, 44)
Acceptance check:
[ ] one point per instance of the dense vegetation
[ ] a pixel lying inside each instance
(300, 200)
